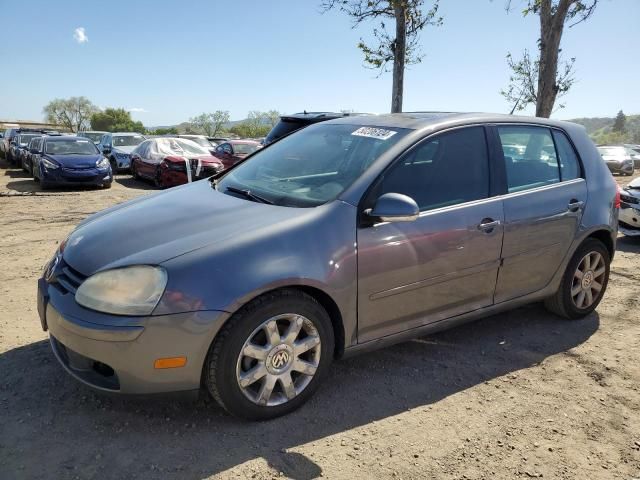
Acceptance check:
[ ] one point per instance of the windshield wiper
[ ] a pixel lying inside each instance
(248, 194)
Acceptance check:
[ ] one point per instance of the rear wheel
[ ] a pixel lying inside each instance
(584, 281)
(271, 356)
(158, 181)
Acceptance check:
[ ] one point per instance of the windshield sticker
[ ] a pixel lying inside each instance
(372, 132)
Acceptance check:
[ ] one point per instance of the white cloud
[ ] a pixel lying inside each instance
(80, 36)
(136, 110)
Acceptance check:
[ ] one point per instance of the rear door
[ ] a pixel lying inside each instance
(445, 263)
(542, 208)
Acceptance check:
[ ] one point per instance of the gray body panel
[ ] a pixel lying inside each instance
(389, 281)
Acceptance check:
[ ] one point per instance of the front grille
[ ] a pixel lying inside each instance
(66, 279)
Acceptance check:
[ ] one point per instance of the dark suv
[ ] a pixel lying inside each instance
(296, 121)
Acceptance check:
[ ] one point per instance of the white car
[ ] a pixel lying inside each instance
(629, 217)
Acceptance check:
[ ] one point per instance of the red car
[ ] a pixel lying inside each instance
(171, 161)
(232, 151)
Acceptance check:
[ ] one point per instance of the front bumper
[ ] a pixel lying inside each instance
(80, 176)
(117, 354)
(629, 219)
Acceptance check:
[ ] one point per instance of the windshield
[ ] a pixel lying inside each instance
(93, 136)
(203, 142)
(127, 140)
(612, 151)
(179, 146)
(312, 166)
(81, 146)
(24, 140)
(244, 148)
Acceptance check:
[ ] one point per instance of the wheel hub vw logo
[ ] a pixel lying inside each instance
(280, 359)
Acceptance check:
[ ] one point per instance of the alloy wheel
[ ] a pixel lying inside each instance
(278, 360)
(588, 280)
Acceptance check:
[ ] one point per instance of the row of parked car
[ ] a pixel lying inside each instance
(93, 157)
(622, 159)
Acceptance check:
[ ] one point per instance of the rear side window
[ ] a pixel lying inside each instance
(530, 157)
(569, 165)
(449, 169)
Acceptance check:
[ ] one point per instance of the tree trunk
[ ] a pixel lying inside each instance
(551, 27)
(400, 47)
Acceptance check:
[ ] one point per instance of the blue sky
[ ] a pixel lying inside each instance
(177, 59)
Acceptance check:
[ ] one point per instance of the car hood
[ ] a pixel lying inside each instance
(124, 149)
(156, 228)
(634, 186)
(76, 161)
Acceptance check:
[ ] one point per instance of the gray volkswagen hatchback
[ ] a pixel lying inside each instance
(346, 236)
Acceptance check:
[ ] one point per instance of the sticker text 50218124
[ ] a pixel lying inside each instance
(372, 132)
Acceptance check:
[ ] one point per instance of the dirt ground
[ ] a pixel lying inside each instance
(517, 395)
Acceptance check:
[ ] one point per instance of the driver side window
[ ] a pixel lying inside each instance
(449, 169)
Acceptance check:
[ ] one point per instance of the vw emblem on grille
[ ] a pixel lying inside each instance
(280, 359)
(52, 267)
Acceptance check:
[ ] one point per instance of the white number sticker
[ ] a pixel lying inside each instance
(372, 132)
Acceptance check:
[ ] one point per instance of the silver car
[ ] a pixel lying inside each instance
(619, 159)
(630, 209)
(343, 237)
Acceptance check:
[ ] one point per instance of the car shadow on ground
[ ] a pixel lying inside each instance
(628, 244)
(130, 182)
(73, 431)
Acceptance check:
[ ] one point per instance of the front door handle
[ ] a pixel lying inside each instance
(575, 205)
(487, 225)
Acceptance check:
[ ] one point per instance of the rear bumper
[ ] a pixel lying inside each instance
(117, 354)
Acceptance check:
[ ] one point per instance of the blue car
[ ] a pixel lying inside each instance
(69, 160)
(117, 147)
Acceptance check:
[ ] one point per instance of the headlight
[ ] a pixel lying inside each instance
(124, 291)
(102, 163)
(49, 164)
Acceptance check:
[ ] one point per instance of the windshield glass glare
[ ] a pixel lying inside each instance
(312, 166)
(71, 147)
(127, 140)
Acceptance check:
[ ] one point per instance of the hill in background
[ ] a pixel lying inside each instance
(600, 129)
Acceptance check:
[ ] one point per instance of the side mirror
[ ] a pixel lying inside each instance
(394, 207)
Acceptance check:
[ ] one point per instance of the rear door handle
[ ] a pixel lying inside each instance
(575, 205)
(488, 224)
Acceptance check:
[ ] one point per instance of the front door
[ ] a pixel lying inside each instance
(542, 209)
(446, 262)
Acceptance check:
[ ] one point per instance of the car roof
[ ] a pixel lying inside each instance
(93, 131)
(432, 120)
(56, 138)
(248, 142)
(122, 134)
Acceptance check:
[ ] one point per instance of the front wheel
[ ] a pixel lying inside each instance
(584, 281)
(271, 356)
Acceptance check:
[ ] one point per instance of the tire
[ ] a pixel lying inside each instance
(114, 166)
(134, 172)
(106, 186)
(563, 303)
(226, 360)
(157, 180)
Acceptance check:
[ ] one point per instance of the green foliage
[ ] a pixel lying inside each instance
(619, 122)
(165, 131)
(380, 55)
(523, 81)
(257, 124)
(209, 124)
(70, 113)
(602, 131)
(115, 120)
